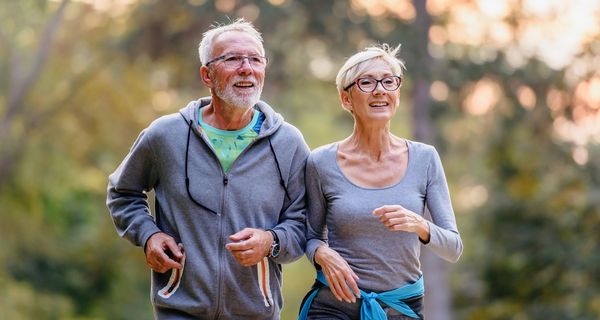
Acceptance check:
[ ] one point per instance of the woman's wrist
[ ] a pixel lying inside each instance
(316, 257)
(423, 232)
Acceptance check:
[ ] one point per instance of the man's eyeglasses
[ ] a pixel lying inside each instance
(369, 85)
(236, 60)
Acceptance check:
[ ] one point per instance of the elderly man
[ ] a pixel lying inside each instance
(228, 176)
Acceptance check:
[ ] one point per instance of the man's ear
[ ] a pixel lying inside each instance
(205, 75)
(346, 101)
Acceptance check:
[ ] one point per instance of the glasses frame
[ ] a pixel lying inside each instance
(244, 57)
(377, 82)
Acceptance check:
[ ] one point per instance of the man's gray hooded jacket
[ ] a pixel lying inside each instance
(213, 285)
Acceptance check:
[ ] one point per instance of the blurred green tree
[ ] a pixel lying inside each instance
(80, 79)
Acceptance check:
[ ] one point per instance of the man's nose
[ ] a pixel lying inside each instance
(245, 67)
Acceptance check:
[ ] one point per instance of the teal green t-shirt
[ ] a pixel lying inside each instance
(228, 145)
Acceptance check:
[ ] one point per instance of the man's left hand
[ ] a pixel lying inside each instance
(250, 245)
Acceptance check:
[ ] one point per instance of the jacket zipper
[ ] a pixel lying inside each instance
(220, 214)
(221, 245)
(225, 182)
(222, 211)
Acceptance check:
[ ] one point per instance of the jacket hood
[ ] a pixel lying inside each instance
(272, 122)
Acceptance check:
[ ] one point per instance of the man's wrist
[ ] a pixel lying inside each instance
(274, 248)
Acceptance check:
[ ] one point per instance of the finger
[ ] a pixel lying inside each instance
(164, 263)
(250, 262)
(387, 208)
(342, 288)
(239, 246)
(397, 228)
(242, 235)
(247, 257)
(395, 215)
(391, 214)
(335, 287)
(349, 285)
(244, 254)
(158, 268)
(348, 294)
(353, 285)
(392, 222)
(238, 255)
(169, 263)
(404, 227)
(331, 281)
(174, 248)
(239, 259)
(384, 217)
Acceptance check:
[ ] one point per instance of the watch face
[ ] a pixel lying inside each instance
(275, 250)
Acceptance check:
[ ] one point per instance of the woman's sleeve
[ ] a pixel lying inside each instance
(316, 230)
(444, 238)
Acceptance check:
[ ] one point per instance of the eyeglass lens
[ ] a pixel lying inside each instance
(238, 60)
(388, 83)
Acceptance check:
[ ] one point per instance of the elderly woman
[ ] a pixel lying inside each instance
(367, 195)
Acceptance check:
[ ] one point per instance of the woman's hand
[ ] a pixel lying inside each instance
(397, 218)
(339, 275)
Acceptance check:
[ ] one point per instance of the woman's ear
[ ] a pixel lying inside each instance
(346, 101)
(205, 76)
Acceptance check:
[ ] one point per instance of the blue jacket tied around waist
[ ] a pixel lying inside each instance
(370, 309)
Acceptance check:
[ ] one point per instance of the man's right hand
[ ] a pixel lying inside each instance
(163, 253)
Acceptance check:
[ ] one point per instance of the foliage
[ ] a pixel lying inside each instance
(526, 209)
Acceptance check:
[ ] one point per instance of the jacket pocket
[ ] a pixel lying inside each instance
(254, 292)
(173, 284)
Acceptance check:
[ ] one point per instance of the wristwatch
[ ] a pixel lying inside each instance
(274, 252)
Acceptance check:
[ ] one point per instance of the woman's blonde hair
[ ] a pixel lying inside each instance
(362, 61)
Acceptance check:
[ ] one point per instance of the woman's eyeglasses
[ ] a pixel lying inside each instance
(369, 85)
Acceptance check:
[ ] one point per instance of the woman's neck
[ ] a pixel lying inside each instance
(370, 141)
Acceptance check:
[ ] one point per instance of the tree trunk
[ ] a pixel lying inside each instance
(21, 82)
(438, 295)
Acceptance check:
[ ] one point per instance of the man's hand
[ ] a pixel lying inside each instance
(163, 253)
(250, 245)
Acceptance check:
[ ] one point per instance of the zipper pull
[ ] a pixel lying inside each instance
(225, 180)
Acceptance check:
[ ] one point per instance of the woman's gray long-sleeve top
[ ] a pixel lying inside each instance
(339, 214)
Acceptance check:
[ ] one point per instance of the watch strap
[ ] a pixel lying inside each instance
(274, 251)
(275, 237)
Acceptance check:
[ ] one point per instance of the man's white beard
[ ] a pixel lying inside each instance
(237, 100)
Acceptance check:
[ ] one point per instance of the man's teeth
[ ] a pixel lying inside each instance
(378, 104)
(244, 84)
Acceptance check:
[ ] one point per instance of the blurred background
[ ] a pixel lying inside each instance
(508, 91)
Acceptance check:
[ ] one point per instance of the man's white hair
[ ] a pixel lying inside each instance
(363, 60)
(205, 47)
